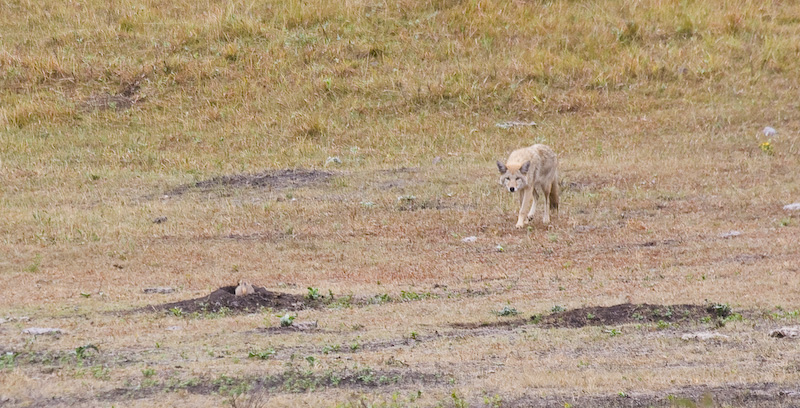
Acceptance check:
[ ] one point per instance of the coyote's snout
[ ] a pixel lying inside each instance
(528, 171)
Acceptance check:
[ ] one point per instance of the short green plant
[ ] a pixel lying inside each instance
(612, 332)
(767, 148)
(287, 320)
(414, 335)
(101, 372)
(557, 309)
(330, 348)
(176, 311)
(661, 325)
(81, 352)
(506, 311)
(148, 372)
(719, 309)
(262, 355)
(8, 359)
(313, 293)
(459, 401)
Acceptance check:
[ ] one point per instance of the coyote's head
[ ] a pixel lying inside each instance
(514, 179)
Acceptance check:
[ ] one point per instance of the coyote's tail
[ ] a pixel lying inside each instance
(554, 195)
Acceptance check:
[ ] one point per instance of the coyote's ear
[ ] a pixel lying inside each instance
(525, 167)
(502, 167)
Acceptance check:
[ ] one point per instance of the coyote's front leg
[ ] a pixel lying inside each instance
(525, 198)
(534, 198)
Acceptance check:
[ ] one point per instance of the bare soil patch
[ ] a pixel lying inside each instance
(124, 99)
(224, 298)
(628, 313)
(740, 395)
(270, 179)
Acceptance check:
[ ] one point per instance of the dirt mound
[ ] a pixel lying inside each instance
(630, 313)
(224, 299)
(271, 179)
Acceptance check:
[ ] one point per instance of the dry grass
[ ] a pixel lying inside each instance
(655, 108)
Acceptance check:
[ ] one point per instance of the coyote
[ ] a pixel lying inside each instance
(244, 289)
(527, 170)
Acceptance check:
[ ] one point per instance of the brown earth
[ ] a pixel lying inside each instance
(269, 179)
(224, 297)
(630, 313)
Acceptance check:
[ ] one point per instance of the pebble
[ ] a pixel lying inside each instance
(730, 234)
(792, 207)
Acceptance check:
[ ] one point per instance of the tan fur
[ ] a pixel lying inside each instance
(244, 288)
(528, 171)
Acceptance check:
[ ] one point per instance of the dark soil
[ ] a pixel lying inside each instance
(271, 179)
(225, 298)
(628, 313)
(736, 395)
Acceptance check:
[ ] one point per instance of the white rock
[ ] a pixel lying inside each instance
(730, 234)
(333, 159)
(792, 207)
(470, 239)
(768, 131)
(703, 336)
(790, 332)
(174, 328)
(41, 330)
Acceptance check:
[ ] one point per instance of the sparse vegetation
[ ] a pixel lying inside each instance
(506, 311)
(116, 114)
(262, 355)
(287, 320)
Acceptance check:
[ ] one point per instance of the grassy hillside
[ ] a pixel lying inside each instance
(111, 111)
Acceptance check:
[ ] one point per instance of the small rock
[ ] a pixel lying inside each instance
(730, 234)
(161, 290)
(333, 159)
(41, 330)
(470, 239)
(703, 336)
(768, 131)
(790, 332)
(792, 207)
(160, 220)
(367, 204)
(437, 159)
(174, 328)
